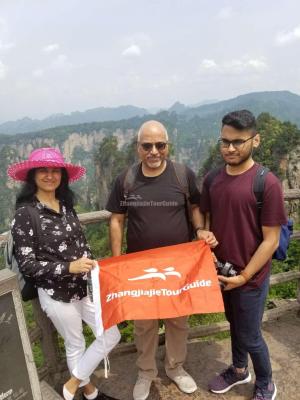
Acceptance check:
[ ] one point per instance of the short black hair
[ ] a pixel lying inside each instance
(240, 120)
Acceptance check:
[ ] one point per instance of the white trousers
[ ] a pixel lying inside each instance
(67, 319)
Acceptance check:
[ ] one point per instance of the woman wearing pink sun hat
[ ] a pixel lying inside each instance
(57, 258)
(44, 157)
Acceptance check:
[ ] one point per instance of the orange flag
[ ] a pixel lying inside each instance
(159, 283)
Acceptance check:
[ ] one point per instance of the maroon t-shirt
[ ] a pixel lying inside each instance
(235, 221)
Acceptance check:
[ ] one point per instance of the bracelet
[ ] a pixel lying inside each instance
(199, 228)
(245, 275)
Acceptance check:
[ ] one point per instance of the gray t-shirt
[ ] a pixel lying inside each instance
(157, 213)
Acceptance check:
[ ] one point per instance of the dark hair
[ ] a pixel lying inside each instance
(29, 189)
(240, 120)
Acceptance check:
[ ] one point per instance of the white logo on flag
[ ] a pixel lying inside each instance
(154, 273)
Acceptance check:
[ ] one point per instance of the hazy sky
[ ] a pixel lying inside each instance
(67, 55)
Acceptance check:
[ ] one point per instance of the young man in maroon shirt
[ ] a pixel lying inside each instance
(247, 239)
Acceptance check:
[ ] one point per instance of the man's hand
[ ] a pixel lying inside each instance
(232, 282)
(81, 266)
(208, 236)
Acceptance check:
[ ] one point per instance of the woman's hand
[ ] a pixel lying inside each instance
(208, 236)
(81, 266)
(232, 282)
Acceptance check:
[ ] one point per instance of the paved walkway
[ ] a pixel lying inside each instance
(207, 357)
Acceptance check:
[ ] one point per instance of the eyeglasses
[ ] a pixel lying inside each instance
(237, 143)
(160, 146)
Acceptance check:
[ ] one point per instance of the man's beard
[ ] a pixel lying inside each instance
(241, 160)
(156, 163)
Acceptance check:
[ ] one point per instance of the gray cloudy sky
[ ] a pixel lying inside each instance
(68, 55)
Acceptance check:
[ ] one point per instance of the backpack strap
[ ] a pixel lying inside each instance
(259, 185)
(181, 176)
(130, 178)
(180, 171)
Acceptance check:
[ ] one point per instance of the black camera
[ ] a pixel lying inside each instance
(225, 269)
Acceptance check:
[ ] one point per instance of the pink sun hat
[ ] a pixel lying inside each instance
(48, 157)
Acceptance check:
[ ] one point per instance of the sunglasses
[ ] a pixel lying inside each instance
(160, 146)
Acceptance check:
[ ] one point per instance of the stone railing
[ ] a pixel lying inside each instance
(54, 364)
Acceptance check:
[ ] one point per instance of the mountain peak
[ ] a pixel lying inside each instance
(177, 107)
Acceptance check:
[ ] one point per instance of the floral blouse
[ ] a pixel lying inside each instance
(61, 242)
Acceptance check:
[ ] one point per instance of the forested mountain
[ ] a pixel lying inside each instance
(94, 115)
(282, 104)
(105, 147)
